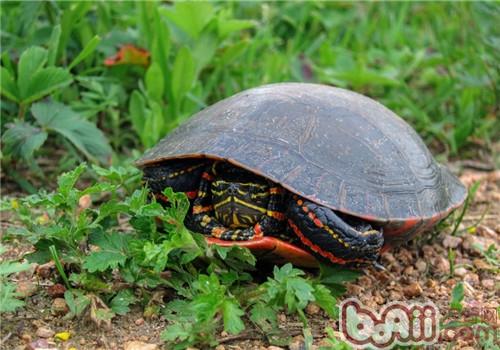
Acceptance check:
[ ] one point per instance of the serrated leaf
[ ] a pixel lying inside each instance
(84, 135)
(112, 252)
(324, 298)
(77, 302)
(8, 85)
(30, 62)
(231, 313)
(7, 268)
(67, 180)
(43, 82)
(299, 293)
(120, 303)
(23, 139)
(8, 301)
(177, 331)
(264, 316)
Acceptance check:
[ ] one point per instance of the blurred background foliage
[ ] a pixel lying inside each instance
(105, 80)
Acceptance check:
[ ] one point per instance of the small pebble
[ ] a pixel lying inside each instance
(452, 242)
(421, 265)
(85, 201)
(139, 322)
(297, 344)
(412, 290)
(488, 284)
(409, 271)
(26, 288)
(45, 332)
(45, 270)
(472, 278)
(57, 290)
(220, 347)
(480, 264)
(354, 289)
(469, 291)
(312, 309)
(139, 345)
(59, 307)
(272, 347)
(441, 265)
(460, 271)
(26, 337)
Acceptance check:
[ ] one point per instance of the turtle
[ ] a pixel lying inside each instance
(311, 172)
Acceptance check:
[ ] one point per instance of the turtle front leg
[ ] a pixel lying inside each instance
(181, 176)
(330, 237)
(204, 221)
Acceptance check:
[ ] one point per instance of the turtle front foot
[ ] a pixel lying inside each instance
(332, 238)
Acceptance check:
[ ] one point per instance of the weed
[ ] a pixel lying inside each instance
(102, 237)
(8, 294)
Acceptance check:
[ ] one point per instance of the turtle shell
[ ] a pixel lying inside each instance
(332, 146)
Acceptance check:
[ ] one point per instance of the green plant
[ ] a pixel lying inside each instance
(8, 294)
(82, 231)
(457, 296)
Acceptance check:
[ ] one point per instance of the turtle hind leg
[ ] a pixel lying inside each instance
(330, 237)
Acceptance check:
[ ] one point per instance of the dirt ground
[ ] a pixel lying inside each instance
(418, 271)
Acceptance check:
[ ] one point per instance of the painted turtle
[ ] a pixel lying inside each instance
(297, 168)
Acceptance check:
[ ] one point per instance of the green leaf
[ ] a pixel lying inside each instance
(331, 274)
(204, 49)
(43, 82)
(231, 313)
(112, 252)
(22, 139)
(137, 112)
(326, 300)
(67, 180)
(264, 316)
(154, 81)
(161, 47)
(228, 26)
(53, 45)
(298, 294)
(84, 135)
(183, 74)
(8, 301)
(77, 302)
(30, 62)
(87, 50)
(457, 296)
(8, 267)
(120, 303)
(177, 331)
(191, 16)
(8, 85)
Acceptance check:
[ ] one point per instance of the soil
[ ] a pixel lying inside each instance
(416, 272)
